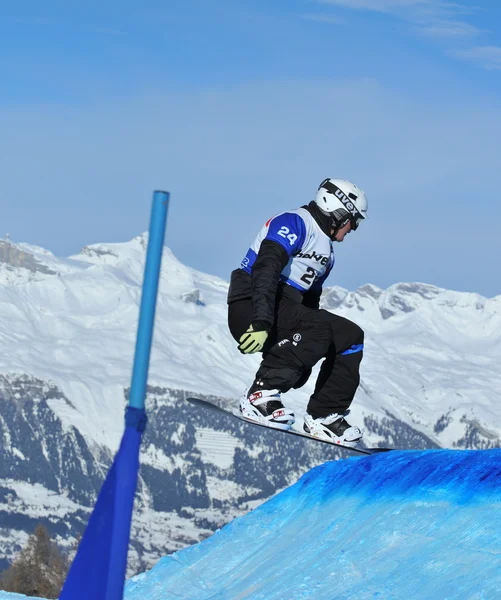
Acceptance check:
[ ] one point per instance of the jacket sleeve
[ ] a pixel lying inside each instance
(270, 262)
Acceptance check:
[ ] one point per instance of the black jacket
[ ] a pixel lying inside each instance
(264, 286)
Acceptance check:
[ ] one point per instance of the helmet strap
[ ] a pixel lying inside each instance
(337, 225)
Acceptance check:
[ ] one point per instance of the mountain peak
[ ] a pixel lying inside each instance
(402, 298)
(370, 290)
(18, 264)
(406, 297)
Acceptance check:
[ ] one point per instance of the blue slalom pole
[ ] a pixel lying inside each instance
(99, 567)
(148, 300)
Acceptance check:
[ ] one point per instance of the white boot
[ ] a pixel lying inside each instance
(333, 428)
(265, 407)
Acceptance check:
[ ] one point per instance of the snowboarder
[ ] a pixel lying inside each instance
(273, 308)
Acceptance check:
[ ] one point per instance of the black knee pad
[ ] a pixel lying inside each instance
(281, 379)
(351, 334)
(358, 334)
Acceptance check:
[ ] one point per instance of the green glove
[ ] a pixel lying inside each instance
(252, 341)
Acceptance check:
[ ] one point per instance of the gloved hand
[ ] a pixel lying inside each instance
(253, 339)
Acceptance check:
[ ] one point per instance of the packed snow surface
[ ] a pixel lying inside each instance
(401, 525)
(420, 525)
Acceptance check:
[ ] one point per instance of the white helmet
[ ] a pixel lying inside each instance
(343, 201)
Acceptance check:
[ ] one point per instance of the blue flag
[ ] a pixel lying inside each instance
(99, 567)
(98, 570)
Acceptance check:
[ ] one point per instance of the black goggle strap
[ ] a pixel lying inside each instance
(356, 216)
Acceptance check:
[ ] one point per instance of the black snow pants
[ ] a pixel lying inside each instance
(300, 338)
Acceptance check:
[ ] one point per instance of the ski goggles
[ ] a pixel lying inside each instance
(356, 216)
(356, 220)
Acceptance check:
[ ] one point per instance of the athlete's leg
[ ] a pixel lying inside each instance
(339, 375)
(239, 317)
(304, 337)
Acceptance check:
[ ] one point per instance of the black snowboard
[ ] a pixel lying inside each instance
(208, 405)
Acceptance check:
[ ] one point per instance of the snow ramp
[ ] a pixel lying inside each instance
(401, 525)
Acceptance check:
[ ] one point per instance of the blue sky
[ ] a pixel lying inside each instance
(240, 109)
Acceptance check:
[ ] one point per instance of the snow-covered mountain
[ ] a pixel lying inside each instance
(430, 378)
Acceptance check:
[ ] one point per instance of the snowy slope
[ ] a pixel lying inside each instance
(401, 525)
(392, 526)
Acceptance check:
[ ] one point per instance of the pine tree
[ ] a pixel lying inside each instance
(39, 570)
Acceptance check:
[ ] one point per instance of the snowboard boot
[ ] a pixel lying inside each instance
(265, 407)
(333, 428)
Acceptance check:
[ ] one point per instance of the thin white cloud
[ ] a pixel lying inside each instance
(489, 57)
(375, 5)
(104, 30)
(430, 8)
(43, 21)
(33, 20)
(431, 18)
(330, 19)
(450, 29)
(437, 19)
